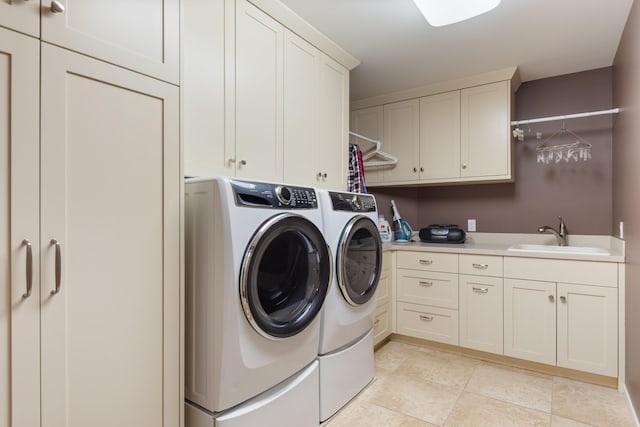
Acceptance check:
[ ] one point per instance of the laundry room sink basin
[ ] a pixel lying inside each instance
(552, 249)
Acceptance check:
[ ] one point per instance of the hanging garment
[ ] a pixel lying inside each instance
(354, 177)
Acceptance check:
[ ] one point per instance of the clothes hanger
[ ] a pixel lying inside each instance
(387, 159)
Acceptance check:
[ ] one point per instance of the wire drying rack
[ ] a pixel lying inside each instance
(578, 150)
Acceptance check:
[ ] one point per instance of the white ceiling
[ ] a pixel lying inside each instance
(399, 50)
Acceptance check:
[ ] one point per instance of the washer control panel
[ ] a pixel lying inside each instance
(265, 195)
(352, 202)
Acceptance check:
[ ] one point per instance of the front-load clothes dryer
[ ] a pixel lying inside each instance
(257, 273)
(346, 337)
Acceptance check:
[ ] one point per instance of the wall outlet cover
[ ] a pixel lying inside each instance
(471, 225)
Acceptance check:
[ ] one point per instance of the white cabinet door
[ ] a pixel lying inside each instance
(402, 139)
(202, 89)
(368, 122)
(19, 216)
(485, 132)
(139, 35)
(440, 136)
(301, 105)
(588, 328)
(481, 316)
(333, 129)
(21, 15)
(110, 191)
(530, 320)
(259, 94)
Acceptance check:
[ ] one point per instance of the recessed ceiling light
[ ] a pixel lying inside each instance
(445, 12)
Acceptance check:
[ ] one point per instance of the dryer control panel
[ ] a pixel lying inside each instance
(352, 202)
(265, 195)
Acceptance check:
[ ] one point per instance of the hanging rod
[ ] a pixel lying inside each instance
(565, 117)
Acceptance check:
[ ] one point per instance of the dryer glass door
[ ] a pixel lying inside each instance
(359, 260)
(285, 276)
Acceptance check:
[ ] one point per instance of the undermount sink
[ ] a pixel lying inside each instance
(551, 249)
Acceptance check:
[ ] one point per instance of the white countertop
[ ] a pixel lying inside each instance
(498, 244)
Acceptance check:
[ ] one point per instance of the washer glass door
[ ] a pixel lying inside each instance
(285, 275)
(359, 260)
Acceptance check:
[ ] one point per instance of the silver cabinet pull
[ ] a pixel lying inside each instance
(480, 266)
(427, 284)
(464, 166)
(319, 175)
(425, 262)
(376, 322)
(426, 318)
(415, 170)
(324, 175)
(551, 298)
(242, 162)
(480, 290)
(563, 298)
(56, 7)
(58, 266)
(231, 160)
(27, 243)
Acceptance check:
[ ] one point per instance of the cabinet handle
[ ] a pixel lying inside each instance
(421, 169)
(27, 243)
(242, 162)
(231, 160)
(319, 175)
(464, 166)
(551, 298)
(427, 284)
(480, 290)
(481, 266)
(324, 175)
(376, 322)
(563, 299)
(56, 7)
(426, 318)
(58, 266)
(415, 170)
(425, 262)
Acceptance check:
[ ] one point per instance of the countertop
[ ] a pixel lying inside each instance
(498, 244)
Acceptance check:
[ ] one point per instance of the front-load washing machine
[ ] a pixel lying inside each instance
(257, 273)
(346, 336)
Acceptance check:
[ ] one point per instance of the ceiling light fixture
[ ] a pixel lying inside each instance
(444, 12)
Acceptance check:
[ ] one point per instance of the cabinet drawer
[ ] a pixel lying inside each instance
(431, 261)
(567, 271)
(382, 323)
(428, 288)
(430, 323)
(481, 265)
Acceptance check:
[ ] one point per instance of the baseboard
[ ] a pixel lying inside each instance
(630, 403)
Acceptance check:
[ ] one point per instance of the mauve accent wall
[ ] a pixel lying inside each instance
(578, 191)
(626, 181)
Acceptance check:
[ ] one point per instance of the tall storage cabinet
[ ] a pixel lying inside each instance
(92, 190)
(19, 231)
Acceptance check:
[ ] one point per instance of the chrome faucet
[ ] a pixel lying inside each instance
(561, 235)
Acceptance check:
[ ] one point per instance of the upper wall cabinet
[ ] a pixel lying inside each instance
(23, 16)
(460, 135)
(368, 122)
(122, 32)
(259, 100)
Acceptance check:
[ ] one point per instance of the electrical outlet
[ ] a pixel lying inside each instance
(471, 225)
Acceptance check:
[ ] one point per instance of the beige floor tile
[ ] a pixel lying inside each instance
(414, 397)
(439, 367)
(557, 421)
(390, 356)
(591, 404)
(474, 410)
(512, 385)
(363, 414)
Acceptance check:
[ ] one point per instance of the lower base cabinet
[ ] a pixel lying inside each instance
(556, 312)
(480, 308)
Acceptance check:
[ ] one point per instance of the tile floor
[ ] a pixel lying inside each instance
(419, 386)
